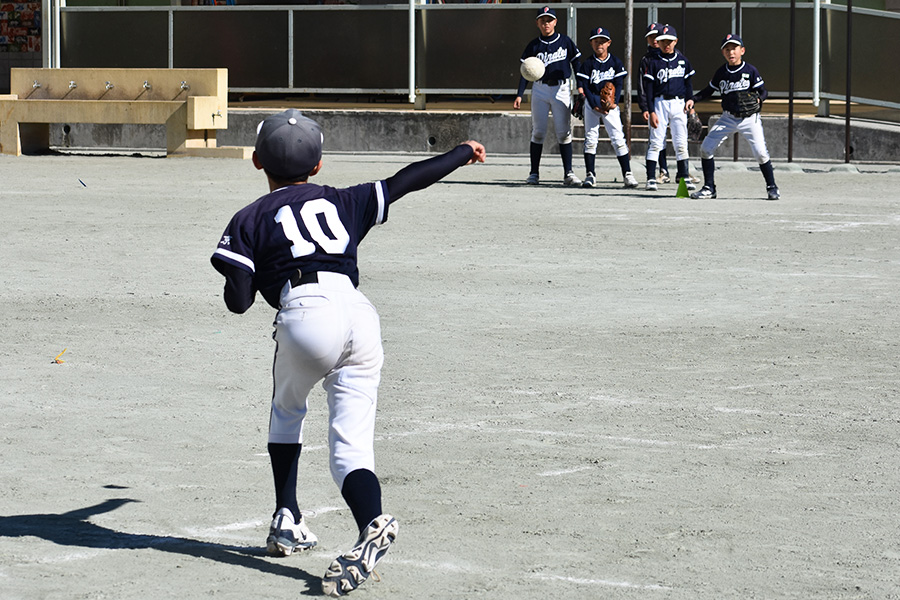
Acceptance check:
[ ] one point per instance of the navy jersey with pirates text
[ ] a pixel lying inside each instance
(307, 227)
(593, 73)
(559, 54)
(729, 80)
(669, 76)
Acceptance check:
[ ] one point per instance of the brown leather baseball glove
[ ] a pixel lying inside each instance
(607, 96)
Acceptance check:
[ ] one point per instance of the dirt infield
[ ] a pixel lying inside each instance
(586, 394)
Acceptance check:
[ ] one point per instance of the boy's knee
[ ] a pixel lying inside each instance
(707, 150)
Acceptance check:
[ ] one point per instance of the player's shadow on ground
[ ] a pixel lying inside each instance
(74, 529)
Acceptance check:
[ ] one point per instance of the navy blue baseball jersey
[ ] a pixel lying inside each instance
(306, 227)
(669, 76)
(593, 73)
(729, 80)
(642, 84)
(560, 55)
(311, 228)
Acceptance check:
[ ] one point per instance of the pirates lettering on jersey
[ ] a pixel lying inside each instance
(668, 75)
(559, 55)
(665, 74)
(730, 80)
(598, 76)
(727, 87)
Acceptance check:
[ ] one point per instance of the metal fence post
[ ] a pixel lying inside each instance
(847, 148)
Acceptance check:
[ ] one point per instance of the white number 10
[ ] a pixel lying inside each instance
(310, 216)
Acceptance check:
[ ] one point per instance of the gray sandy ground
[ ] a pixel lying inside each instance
(587, 394)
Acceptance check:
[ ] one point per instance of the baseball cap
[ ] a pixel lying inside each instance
(288, 144)
(732, 39)
(667, 32)
(653, 29)
(599, 32)
(546, 12)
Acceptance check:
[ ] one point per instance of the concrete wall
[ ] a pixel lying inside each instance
(822, 138)
(815, 138)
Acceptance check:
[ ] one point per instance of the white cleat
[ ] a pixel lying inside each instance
(285, 536)
(705, 193)
(571, 180)
(630, 181)
(352, 568)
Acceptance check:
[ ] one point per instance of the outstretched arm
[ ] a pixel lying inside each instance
(420, 175)
(705, 93)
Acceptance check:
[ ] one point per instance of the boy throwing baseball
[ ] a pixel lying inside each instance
(593, 75)
(743, 91)
(551, 94)
(297, 247)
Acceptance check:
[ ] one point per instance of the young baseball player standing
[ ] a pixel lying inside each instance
(592, 76)
(652, 50)
(297, 246)
(743, 91)
(669, 96)
(551, 94)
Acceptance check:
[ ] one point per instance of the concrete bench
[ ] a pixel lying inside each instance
(191, 103)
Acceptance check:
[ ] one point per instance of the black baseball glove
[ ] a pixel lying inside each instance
(694, 126)
(578, 106)
(747, 103)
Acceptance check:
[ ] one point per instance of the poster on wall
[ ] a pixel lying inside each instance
(20, 26)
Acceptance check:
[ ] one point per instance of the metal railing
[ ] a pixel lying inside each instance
(459, 49)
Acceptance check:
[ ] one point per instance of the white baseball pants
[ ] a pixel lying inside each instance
(671, 115)
(546, 99)
(328, 331)
(612, 121)
(750, 127)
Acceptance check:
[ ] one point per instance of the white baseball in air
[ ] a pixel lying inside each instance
(532, 68)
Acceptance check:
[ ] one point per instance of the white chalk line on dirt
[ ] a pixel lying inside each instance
(824, 226)
(448, 567)
(483, 428)
(564, 471)
(204, 533)
(750, 411)
(443, 567)
(601, 582)
(212, 532)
